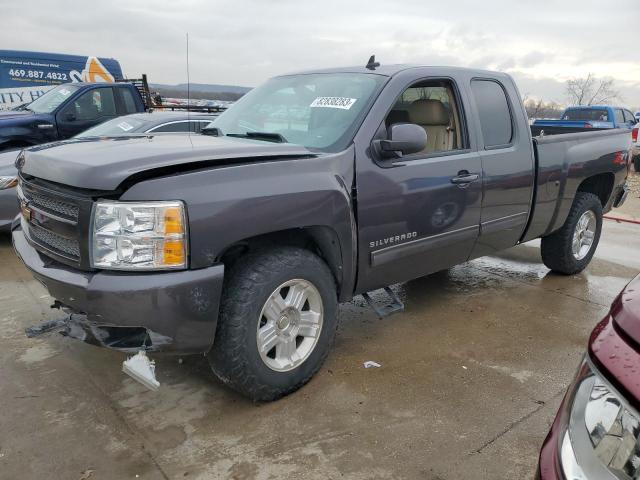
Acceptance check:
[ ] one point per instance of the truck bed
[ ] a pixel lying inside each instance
(563, 160)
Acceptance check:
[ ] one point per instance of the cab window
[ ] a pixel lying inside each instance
(496, 122)
(433, 106)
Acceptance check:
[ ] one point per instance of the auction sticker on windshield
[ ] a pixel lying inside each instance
(125, 126)
(342, 103)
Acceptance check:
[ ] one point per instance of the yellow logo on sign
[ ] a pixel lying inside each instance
(94, 71)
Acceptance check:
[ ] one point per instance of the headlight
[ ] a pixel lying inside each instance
(603, 438)
(8, 182)
(139, 236)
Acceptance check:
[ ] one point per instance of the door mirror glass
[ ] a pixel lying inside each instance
(404, 139)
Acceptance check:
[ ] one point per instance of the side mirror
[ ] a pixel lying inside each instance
(404, 139)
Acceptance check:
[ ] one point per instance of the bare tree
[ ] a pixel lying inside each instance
(541, 109)
(591, 90)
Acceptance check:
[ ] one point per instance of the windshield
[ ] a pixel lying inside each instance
(118, 126)
(51, 100)
(317, 111)
(582, 114)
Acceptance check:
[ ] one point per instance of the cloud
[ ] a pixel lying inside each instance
(246, 41)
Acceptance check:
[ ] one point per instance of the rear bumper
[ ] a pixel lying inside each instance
(173, 312)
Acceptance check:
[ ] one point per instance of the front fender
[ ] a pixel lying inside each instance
(229, 204)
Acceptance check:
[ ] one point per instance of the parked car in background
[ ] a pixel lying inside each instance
(65, 111)
(593, 116)
(635, 147)
(137, 123)
(8, 180)
(596, 433)
(151, 122)
(313, 188)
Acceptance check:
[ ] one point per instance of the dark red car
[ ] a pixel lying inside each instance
(596, 433)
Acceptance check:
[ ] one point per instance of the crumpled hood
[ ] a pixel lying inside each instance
(104, 163)
(626, 310)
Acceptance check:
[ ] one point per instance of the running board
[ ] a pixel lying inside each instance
(394, 306)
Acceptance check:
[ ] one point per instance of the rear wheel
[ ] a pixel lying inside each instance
(636, 163)
(570, 249)
(277, 323)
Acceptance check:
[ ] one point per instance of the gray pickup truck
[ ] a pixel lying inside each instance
(311, 189)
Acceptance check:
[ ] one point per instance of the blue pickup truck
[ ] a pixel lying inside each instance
(65, 111)
(597, 117)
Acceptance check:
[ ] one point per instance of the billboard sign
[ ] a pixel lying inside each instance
(24, 76)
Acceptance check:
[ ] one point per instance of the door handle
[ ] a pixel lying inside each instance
(464, 178)
(45, 126)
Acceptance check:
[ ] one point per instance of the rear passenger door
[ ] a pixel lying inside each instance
(507, 160)
(421, 213)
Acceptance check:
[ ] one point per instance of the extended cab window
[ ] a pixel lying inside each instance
(619, 116)
(129, 102)
(433, 106)
(495, 115)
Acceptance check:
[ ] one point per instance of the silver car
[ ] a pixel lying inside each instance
(137, 123)
(8, 201)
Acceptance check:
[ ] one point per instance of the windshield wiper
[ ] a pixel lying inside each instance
(266, 136)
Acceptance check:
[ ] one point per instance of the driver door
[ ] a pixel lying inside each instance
(85, 111)
(421, 213)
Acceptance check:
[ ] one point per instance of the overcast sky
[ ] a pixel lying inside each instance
(243, 42)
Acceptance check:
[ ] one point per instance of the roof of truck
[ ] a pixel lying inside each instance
(391, 70)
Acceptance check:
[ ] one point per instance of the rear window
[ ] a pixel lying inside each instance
(495, 115)
(586, 114)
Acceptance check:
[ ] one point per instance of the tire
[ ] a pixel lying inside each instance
(636, 163)
(246, 313)
(557, 248)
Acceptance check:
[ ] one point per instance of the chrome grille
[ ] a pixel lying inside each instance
(49, 204)
(60, 245)
(55, 220)
(53, 206)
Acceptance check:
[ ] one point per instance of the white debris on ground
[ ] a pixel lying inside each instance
(371, 364)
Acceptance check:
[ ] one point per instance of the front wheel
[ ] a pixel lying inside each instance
(570, 249)
(277, 323)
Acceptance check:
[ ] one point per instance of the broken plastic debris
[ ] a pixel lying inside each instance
(86, 474)
(140, 368)
(464, 367)
(371, 364)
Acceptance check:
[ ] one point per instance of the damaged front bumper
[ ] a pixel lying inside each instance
(172, 312)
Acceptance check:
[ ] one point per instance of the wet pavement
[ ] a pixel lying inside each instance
(471, 376)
